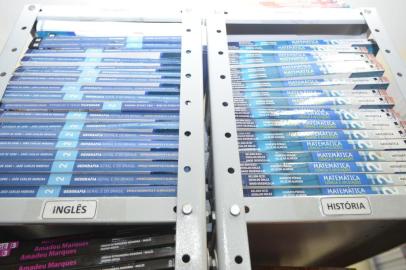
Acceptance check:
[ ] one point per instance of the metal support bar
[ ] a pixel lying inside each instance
(16, 44)
(191, 248)
(232, 239)
(390, 55)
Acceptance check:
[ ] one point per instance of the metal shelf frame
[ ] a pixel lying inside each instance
(188, 209)
(291, 230)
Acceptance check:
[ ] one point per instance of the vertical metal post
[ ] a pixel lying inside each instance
(16, 44)
(391, 56)
(231, 228)
(191, 250)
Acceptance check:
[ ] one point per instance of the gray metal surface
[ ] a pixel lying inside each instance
(113, 210)
(332, 243)
(191, 248)
(294, 230)
(308, 209)
(109, 210)
(190, 217)
(231, 230)
(16, 44)
(394, 62)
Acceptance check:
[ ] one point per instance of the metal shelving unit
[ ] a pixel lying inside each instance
(293, 231)
(188, 209)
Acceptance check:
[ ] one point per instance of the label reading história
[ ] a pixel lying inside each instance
(345, 206)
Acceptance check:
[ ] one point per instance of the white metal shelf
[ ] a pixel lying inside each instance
(188, 208)
(292, 230)
(109, 210)
(308, 209)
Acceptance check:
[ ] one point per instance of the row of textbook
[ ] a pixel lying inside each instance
(142, 248)
(91, 115)
(314, 117)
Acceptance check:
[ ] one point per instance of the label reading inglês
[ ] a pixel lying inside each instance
(69, 210)
(345, 206)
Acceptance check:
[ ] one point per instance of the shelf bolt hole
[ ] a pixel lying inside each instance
(187, 169)
(230, 170)
(228, 135)
(186, 258)
(188, 133)
(238, 259)
(222, 77)
(3, 74)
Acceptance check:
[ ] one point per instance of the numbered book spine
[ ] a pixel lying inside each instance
(108, 106)
(347, 69)
(321, 156)
(142, 127)
(89, 179)
(322, 145)
(321, 135)
(80, 262)
(36, 251)
(13, 116)
(316, 114)
(329, 179)
(72, 191)
(320, 83)
(382, 102)
(169, 167)
(331, 191)
(264, 124)
(323, 167)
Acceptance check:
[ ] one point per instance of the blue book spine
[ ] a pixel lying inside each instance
(317, 83)
(322, 135)
(85, 155)
(317, 114)
(320, 156)
(88, 116)
(108, 106)
(323, 167)
(87, 179)
(169, 167)
(329, 191)
(340, 179)
(73, 88)
(78, 96)
(304, 93)
(71, 191)
(322, 145)
(359, 102)
(247, 123)
(141, 145)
